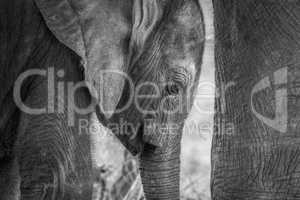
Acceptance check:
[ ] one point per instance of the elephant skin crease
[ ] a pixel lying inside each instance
(148, 40)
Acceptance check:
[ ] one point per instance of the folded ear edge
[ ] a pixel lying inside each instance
(64, 23)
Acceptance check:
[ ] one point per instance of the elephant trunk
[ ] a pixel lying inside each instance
(160, 171)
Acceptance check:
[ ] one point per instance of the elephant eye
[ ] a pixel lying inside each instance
(180, 76)
(172, 88)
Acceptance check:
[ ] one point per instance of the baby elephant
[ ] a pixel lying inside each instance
(135, 63)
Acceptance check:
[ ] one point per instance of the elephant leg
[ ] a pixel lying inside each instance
(53, 165)
(10, 181)
(53, 150)
(54, 158)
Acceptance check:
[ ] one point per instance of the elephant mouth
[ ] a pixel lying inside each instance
(129, 134)
(134, 134)
(134, 140)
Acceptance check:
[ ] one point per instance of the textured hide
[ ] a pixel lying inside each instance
(96, 30)
(129, 36)
(99, 32)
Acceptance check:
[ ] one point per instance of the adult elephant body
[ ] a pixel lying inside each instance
(41, 156)
(50, 48)
(255, 152)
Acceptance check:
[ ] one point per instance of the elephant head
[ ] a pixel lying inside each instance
(142, 61)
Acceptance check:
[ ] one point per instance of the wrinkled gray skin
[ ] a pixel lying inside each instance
(255, 153)
(41, 157)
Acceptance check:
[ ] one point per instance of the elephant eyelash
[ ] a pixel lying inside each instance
(172, 88)
(177, 85)
(180, 77)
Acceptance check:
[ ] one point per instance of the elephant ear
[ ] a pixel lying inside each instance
(96, 31)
